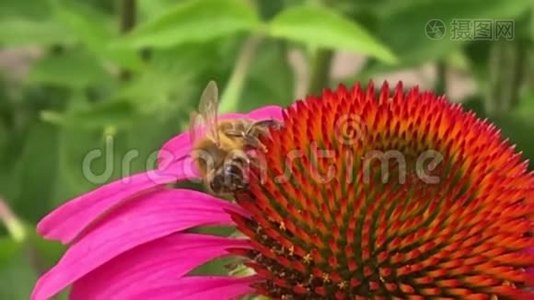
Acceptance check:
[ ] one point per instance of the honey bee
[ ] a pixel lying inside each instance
(222, 151)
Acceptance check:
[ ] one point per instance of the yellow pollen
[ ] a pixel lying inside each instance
(291, 250)
(342, 285)
(307, 258)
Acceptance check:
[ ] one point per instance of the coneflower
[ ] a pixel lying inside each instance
(387, 195)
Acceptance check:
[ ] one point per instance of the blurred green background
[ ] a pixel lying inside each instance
(120, 76)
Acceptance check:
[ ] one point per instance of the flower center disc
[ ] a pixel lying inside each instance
(400, 195)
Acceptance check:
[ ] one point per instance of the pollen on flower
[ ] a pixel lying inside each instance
(388, 195)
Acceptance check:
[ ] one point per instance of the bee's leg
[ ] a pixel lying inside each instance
(249, 130)
(263, 125)
(234, 133)
(249, 140)
(255, 143)
(266, 123)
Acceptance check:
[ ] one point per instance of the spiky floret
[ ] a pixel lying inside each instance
(388, 195)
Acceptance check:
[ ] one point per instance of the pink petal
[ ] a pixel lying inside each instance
(173, 153)
(200, 287)
(67, 221)
(150, 264)
(149, 217)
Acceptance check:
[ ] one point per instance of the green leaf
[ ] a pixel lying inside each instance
(149, 9)
(16, 274)
(519, 130)
(91, 153)
(70, 69)
(35, 10)
(83, 114)
(402, 24)
(194, 21)
(48, 251)
(30, 23)
(8, 248)
(147, 136)
(87, 24)
(36, 172)
(96, 31)
(525, 108)
(270, 79)
(518, 125)
(321, 27)
(116, 113)
(75, 175)
(269, 9)
(88, 159)
(169, 78)
(74, 146)
(16, 31)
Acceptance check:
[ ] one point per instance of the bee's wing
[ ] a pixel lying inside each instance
(195, 126)
(208, 108)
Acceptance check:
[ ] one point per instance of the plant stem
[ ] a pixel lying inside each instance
(127, 12)
(506, 71)
(441, 82)
(128, 15)
(517, 59)
(13, 225)
(320, 70)
(491, 103)
(234, 88)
